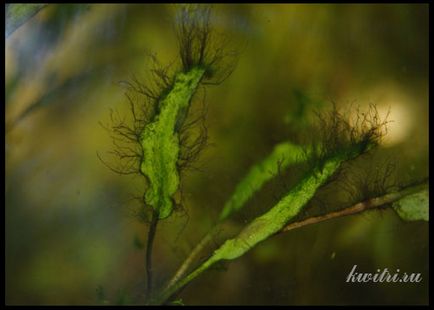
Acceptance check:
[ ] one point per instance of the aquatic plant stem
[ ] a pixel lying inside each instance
(160, 144)
(149, 246)
(166, 294)
(192, 256)
(358, 207)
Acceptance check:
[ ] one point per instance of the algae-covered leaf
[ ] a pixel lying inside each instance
(160, 143)
(275, 219)
(413, 207)
(283, 155)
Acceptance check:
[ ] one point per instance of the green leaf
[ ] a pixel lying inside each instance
(413, 207)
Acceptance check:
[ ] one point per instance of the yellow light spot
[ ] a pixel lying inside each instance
(394, 105)
(400, 122)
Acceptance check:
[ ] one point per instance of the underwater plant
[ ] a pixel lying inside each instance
(161, 133)
(165, 137)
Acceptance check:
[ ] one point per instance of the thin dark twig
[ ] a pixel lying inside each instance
(357, 208)
(149, 247)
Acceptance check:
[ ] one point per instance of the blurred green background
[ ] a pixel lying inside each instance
(71, 237)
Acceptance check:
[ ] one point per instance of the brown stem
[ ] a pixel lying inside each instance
(357, 208)
(149, 246)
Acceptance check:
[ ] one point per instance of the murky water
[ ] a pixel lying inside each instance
(72, 230)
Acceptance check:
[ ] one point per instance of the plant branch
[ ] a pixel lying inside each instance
(149, 246)
(192, 256)
(355, 209)
(358, 207)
